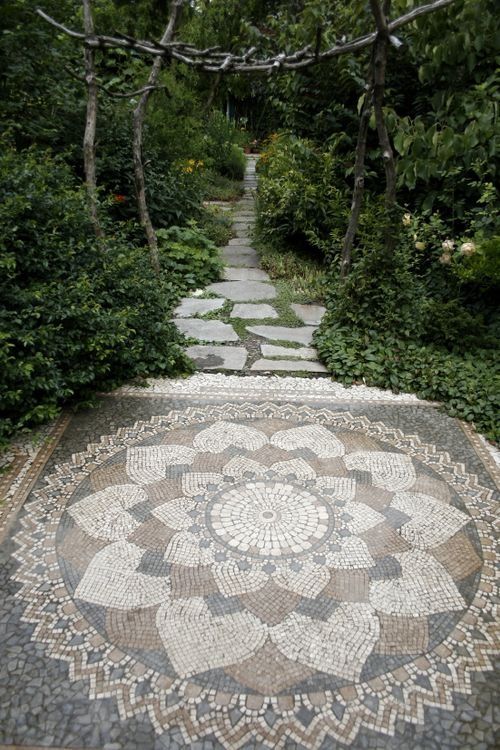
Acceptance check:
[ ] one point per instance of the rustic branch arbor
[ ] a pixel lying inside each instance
(214, 60)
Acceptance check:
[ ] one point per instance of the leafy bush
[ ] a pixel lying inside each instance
(468, 384)
(216, 225)
(187, 257)
(301, 195)
(404, 322)
(76, 315)
(224, 154)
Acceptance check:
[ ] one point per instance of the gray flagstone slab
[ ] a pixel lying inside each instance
(311, 315)
(206, 330)
(302, 352)
(287, 365)
(243, 291)
(253, 311)
(245, 274)
(301, 335)
(218, 357)
(239, 242)
(191, 306)
(236, 258)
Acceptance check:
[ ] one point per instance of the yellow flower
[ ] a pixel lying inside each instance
(407, 220)
(420, 245)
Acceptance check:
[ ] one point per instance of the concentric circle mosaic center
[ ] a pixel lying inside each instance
(269, 519)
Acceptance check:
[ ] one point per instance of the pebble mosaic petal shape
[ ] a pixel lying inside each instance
(261, 582)
(315, 437)
(431, 523)
(112, 579)
(391, 471)
(147, 465)
(340, 645)
(104, 515)
(224, 434)
(424, 588)
(196, 641)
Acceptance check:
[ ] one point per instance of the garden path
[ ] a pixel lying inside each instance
(248, 336)
(250, 563)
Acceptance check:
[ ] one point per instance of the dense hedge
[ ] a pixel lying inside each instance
(76, 315)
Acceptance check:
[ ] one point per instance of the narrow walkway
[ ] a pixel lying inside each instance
(247, 336)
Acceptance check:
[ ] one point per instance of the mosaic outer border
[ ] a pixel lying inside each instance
(378, 704)
(27, 464)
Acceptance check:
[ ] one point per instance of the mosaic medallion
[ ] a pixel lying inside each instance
(263, 572)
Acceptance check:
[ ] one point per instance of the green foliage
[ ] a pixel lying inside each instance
(187, 257)
(76, 316)
(216, 225)
(446, 132)
(467, 384)
(302, 193)
(224, 155)
(219, 188)
(405, 322)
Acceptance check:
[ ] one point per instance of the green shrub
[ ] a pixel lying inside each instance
(234, 164)
(216, 225)
(76, 315)
(302, 195)
(468, 384)
(224, 154)
(187, 257)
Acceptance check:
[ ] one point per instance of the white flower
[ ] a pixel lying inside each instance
(420, 245)
(445, 259)
(468, 248)
(448, 246)
(407, 220)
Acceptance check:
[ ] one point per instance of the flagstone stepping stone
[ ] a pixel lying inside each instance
(253, 312)
(234, 257)
(239, 242)
(245, 274)
(311, 315)
(243, 291)
(281, 333)
(206, 330)
(302, 352)
(287, 365)
(218, 357)
(191, 306)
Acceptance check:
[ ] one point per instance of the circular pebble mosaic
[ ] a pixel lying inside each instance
(298, 573)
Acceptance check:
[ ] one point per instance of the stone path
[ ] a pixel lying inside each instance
(245, 297)
(250, 563)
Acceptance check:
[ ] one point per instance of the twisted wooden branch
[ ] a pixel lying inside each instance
(212, 60)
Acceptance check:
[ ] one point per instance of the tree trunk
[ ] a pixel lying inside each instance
(90, 123)
(359, 179)
(379, 71)
(138, 127)
(213, 91)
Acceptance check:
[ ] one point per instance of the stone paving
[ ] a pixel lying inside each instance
(248, 290)
(227, 562)
(256, 563)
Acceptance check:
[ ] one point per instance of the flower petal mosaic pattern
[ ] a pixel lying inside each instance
(329, 569)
